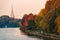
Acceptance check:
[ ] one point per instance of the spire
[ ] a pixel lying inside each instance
(12, 13)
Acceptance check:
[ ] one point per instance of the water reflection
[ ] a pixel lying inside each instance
(14, 34)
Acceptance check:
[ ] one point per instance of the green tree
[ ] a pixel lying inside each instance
(31, 25)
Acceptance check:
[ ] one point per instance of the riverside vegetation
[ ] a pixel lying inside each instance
(47, 21)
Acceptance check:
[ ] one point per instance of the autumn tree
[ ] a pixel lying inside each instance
(31, 22)
(40, 22)
(28, 22)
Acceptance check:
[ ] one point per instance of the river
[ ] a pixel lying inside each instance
(14, 34)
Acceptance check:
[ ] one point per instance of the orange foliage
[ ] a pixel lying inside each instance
(28, 17)
(25, 23)
(48, 6)
(58, 24)
(56, 4)
(42, 12)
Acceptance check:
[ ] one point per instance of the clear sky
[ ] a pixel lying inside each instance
(21, 7)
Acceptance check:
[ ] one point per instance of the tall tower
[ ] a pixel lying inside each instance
(12, 13)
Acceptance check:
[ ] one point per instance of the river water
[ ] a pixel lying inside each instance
(14, 34)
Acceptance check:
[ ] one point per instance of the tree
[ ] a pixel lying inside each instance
(4, 20)
(57, 20)
(31, 25)
(40, 21)
(28, 22)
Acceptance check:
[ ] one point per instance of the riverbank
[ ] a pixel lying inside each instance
(44, 36)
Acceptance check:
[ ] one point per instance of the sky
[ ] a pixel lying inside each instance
(21, 7)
